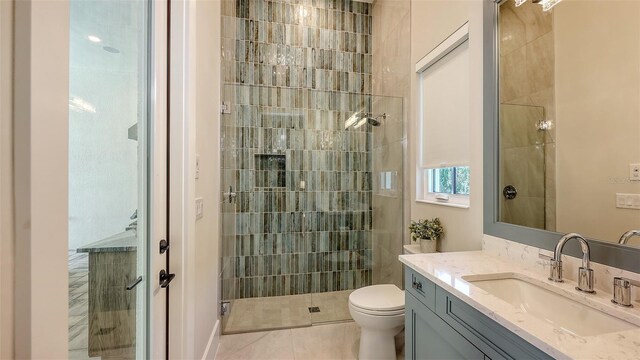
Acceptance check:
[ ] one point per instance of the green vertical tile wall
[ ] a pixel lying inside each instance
(294, 71)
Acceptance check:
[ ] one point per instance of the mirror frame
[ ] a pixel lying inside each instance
(607, 253)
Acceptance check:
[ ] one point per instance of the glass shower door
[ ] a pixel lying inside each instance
(312, 206)
(356, 172)
(109, 153)
(262, 228)
(229, 184)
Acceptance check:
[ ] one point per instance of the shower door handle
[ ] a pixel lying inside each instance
(509, 192)
(231, 194)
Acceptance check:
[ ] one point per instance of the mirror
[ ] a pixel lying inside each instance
(569, 117)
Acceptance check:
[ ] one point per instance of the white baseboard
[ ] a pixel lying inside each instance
(212, 345)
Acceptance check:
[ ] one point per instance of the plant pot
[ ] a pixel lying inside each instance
(428, 245)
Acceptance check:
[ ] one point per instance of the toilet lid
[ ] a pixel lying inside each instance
(385, 297)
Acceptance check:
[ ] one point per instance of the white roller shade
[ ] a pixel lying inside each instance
(445, 110)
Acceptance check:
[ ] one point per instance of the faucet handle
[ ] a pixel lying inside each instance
(622, 290)
(555, 267)
(585, 280)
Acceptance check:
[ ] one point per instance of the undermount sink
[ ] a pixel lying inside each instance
(572, 316)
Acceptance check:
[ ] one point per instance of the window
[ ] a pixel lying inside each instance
(451, 180)
(448, 186)
(443, 169)
(388, 183)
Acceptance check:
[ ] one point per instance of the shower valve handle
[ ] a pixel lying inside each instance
(231, 194)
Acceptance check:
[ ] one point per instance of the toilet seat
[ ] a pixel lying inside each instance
(379, 300)
(377, 312)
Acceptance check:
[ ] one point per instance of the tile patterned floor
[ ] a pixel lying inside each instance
(282, 312)
(322, 342)
(78, 305)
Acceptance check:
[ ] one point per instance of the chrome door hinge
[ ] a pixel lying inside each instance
(225, 108)
(224, 307)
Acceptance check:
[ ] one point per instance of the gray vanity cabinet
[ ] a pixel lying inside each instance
(440, 326)
(428, 337)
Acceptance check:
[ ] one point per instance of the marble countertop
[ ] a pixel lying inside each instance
(124, 241)
(447, 270)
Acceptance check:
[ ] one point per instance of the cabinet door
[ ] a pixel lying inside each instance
(428, 337)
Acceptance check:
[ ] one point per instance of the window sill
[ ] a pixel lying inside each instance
(442, 203)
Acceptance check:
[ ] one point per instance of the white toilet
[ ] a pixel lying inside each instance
(379, 311)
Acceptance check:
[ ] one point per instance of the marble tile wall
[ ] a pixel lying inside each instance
(391, 78)
(294, 71)
(527, 78)
(522, 165)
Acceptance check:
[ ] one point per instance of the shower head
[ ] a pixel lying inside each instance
(359, 119)
(373, 121)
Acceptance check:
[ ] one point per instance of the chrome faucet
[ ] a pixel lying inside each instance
(626, 236)
(585, 273)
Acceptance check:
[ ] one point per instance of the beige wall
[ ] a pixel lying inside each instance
(431, 22)
(598, 127)
(6, 180)
(208, 147)
(391, 78)
(41, 163)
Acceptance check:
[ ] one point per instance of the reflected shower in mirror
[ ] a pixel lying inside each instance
(569, 117)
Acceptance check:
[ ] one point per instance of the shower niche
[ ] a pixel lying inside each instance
(271, 170)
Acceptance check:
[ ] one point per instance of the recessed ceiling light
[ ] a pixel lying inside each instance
(94, 39)
(111, 49)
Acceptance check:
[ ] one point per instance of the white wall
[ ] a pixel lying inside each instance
(40, 143)
(103, 162)
(207, 229)
(431, 22)
(6, 180)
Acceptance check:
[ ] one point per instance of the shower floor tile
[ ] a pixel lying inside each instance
(276, 312)
(334, 306)
(291, 311)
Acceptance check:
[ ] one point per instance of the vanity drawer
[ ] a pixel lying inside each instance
(423, 289)
(490, 337)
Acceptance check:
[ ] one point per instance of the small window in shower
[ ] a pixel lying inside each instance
(270, 171)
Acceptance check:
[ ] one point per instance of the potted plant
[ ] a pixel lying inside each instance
(427, 232)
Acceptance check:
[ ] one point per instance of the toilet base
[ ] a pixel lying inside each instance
(378, 344)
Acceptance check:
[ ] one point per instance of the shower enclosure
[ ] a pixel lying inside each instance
(523, 149)
(312, 203)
